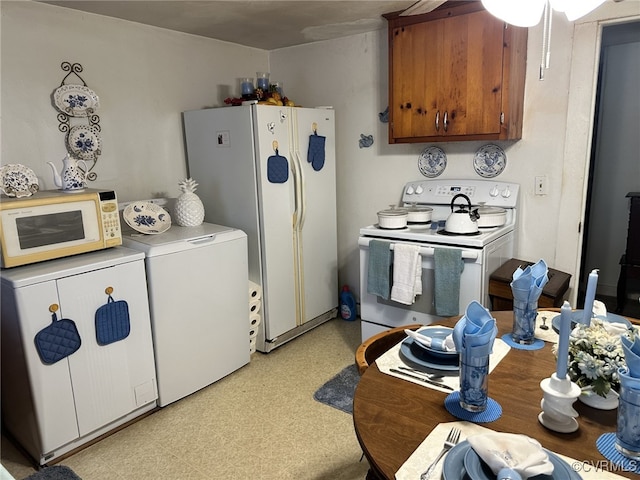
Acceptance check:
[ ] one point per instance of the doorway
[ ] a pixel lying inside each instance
(615, 164)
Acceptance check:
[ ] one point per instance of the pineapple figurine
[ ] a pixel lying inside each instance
(189, 210)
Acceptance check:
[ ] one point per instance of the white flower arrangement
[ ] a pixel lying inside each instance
(595, 355)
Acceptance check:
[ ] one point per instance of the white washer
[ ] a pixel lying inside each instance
(198, 284)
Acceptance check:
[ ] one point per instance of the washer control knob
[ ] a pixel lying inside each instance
(494, 192)
(506, 193)
(419, 189)
(410, 190)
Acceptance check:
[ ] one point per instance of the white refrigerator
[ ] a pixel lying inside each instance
(270, 171)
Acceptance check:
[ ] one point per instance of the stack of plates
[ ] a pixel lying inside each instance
(427, 358)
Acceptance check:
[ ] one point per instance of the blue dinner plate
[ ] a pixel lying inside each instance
(463, 463)
(477, 469)
(415, 355)
(440, 333)
(576, 317)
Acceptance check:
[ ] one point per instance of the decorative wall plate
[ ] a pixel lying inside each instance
(489, 161)
(432, 162)
(84, 142)
(75, 100)
(16, 180)
(147, 217)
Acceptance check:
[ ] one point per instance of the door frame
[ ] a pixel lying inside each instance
(585, 63)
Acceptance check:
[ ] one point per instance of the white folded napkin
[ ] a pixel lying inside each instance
(517, 452)
(446, 344)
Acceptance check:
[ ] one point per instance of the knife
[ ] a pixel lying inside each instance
(425, 380)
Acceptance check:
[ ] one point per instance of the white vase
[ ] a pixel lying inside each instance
(588, 397)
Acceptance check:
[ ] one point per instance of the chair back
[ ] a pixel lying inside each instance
(374, 347)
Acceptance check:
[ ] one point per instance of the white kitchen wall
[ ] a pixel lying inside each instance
(146, 76)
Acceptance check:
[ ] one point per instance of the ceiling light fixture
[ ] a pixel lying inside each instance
(527, 13)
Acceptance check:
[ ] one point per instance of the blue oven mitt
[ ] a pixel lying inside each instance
(315, 153)
(112, 322)
(58, 340)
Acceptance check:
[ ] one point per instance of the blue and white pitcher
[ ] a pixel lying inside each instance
(72, 177)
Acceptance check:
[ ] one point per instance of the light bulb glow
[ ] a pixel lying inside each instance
(521, 14)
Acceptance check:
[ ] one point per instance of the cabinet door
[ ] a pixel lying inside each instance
(113, 380)
(471, 75)
(455, 74)
(50, 385)
(415, 55)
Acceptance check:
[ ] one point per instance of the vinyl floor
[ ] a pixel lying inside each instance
(260, 422)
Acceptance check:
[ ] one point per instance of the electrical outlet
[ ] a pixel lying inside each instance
(541, 185)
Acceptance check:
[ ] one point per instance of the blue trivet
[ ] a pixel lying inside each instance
(536, 345)
(606, 444)
(491, 414)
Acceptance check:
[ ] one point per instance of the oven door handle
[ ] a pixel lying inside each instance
(424, 251)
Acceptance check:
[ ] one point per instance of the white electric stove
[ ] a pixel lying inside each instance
(482, 253)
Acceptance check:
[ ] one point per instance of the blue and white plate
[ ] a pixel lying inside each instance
(76, 100)
(416, 355)
(489, 161)
(440, 333)
(84, 142)
(432, 162)
(147, 217)
(460, 464)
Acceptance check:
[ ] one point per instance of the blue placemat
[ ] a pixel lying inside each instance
(606, 444)
(536, 345)
(491, 414)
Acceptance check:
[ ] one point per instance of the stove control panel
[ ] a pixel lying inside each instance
(488, 192)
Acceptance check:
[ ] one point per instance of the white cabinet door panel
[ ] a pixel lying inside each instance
(106, 378)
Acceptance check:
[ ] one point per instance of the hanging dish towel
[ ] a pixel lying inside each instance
(58, 340)
(277, 168)
(448, 267)
(315, 153)
(379, 271)
(406, 260)
(112, 322)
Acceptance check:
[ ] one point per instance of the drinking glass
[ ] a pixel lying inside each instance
(524, 322)
(628, 431)
(474, 382)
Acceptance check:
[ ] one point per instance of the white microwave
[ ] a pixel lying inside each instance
(53, 224)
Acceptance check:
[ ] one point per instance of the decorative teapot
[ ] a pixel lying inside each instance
(72, 177)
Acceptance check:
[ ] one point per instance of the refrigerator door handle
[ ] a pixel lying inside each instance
(303, 210)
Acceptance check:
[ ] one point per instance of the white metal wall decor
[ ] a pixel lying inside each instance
(82, 134)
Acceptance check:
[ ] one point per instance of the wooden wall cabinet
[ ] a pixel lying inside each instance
(456, 73)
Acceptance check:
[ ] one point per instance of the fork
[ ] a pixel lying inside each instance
(449, 443)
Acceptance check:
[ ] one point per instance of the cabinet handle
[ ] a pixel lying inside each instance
(445, 121)
(438, 121)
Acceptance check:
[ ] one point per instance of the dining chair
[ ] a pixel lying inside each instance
(375, 346)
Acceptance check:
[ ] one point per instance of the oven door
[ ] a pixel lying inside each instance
(378, 314)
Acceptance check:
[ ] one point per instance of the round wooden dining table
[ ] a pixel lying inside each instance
(392, 416)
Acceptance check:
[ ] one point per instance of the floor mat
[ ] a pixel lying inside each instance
(55, 472)
(338, 392)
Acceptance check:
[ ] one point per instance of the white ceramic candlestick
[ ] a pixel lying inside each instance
(557, 413)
